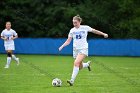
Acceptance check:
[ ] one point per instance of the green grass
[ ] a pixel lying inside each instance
(35, 73)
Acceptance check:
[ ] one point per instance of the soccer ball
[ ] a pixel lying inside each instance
(56, 82)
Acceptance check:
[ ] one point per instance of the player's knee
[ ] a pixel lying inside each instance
(77, 64)
(9, 54)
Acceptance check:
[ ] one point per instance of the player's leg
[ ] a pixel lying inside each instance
(9, 55)
(16, 59)
(77, 63)
(12, 47)
(85, 64)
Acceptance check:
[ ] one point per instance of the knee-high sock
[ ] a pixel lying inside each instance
(85, 65)
(8, 60)
(74, 73)
(14, 57)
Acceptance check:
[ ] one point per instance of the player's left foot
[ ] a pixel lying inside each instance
(89, 67)
(70, 82)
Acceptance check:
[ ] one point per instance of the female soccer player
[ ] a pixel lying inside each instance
(80, 45)
(8, 35)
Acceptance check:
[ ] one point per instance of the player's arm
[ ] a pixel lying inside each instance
(2, 37)
(99, 33)
(67, 42)
(14, 37)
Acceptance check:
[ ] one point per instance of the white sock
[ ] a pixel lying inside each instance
(85, 65)
(8, 61)
(14, 57)
(74, 73)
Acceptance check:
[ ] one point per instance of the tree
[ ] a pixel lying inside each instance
(53, 18)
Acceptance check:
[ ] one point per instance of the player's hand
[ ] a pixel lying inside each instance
(105, 35)
(5, 39)
(12, 38)
(60, 48)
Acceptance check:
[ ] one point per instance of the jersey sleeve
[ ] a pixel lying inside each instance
(14, 33)
(89, 29)
(70, 34)
(2, 33)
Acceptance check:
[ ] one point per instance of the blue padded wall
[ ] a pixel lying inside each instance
(103, 47)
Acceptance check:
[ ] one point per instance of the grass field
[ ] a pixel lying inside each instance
(35, 73)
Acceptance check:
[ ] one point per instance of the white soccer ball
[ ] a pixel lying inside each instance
(56, 82)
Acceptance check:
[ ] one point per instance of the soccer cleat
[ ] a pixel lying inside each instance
(6, 66)
(89, 67)
(70, 82)
(17, 61)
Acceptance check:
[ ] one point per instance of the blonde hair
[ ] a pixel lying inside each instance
(77, 17)
(8, 22)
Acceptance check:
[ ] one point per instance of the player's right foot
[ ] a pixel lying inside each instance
(70, 82)
(6, 66)
(89, 67)
(17, 61)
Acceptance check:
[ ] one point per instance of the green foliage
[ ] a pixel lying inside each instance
(53, 18)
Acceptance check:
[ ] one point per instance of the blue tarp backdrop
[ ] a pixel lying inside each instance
(103, 47)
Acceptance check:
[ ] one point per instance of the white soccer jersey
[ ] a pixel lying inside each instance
(8, 34)
(79, 36)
